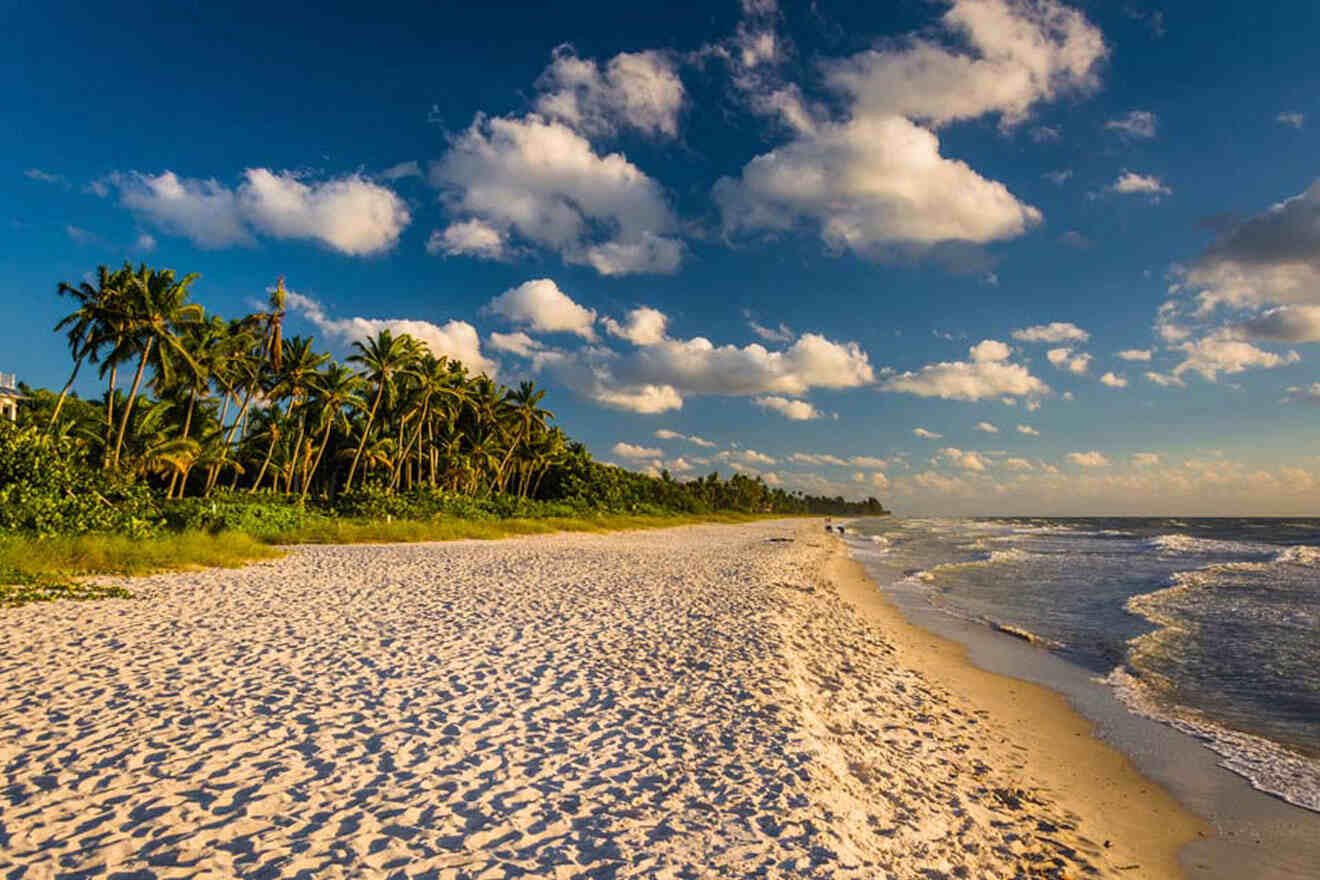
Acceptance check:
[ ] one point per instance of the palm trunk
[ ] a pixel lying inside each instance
(109, 415)
(132, 397)
(366, 429)
(59, 404)
(187, 429)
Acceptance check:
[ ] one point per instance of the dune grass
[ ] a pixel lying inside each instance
(38, 569)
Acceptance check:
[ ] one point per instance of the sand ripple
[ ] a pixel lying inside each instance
(688, 703)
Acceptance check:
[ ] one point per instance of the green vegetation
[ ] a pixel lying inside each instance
(215, 438)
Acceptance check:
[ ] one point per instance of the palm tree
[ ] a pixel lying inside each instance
(155, 307)
(81, 324)
(335, 395)
(384, 357)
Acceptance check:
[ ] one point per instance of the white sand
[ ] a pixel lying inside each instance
(693, 702)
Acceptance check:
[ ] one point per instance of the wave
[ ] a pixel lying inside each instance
(1178, 543)
(1267, 765)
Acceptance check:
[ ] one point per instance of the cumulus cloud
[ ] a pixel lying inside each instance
(1272, 258)
(1283, 324)
(793, 410)
(867, 461)
(745, 456)
(349, 214)
(926, 435)
(988, 350)
(1018, 464)
(1134, 124)
(1028, 430)
(1145, 459)
(1090, 459)
(631, 451)
(515, 343)
(1064, 359)
(645, 326)
(456, 340)
(968, 461)
(988, 374)
(642, 399)
(1131, 183)
(540, 180)
(1221, 353)
(667, 434)
(473, 237)
(874, 183)
(1135, 354)
(1055, 331)
(541, 305)
(1296, 120)
(1113, 380)
(638, 90)
(986, 428)
(1017, 54)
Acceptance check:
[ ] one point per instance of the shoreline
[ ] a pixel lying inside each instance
(1146, 825)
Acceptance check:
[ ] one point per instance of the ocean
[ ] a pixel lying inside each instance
(1211, 626)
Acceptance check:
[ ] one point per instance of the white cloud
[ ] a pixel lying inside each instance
(541, 305)
(1130, 183)
(681, 465)
(1145, 459)
(401, 171)
(1113, 380)
(145, 243)
(1306, 395)
(877, 187)
(1058, 177)
(783, 333)
(988, 350)
(543, 181)
(867, 461)
(772, 479)
(1064, 359)
(515, 343)
(1055, 331)
(646, 326)
(872, 179)
(1090, 459)
(1018, 464)
(473, 237)
(1028, 430)
(1074, 239)
(926, 435)
(456, 340)
(1135, 354)
(1135, 124)
(349, 214)
(745, 456)
(45, 176)
(988, 375)
(793, 410)
(628, 450)
(818, 459)
(1045, 134)
(986, 428)
(1020, 54)
(639, 90)
(968, 461)
(1221, 353)
(666, 434)
(1296, 120)
(1164, 380)
(643, 399)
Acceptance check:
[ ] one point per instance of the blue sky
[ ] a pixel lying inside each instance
(786, 231)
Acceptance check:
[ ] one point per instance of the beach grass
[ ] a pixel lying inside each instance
(37, 569)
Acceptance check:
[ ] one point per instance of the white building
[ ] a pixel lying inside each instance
(9, 396)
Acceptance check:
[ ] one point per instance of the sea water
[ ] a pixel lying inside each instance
(1211, 626)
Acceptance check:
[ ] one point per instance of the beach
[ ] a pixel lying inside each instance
(705, 701)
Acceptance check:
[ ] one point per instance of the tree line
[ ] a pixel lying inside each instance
(194, 404)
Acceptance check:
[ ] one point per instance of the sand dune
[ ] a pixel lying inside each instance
(695, 702)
